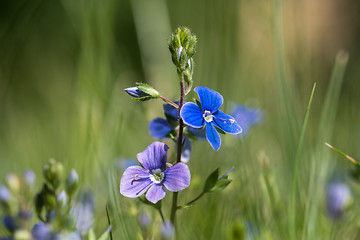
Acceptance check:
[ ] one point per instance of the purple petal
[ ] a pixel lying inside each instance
(192, 115)
(134, 182)
(177, 177)
(155, 193)
(171, 111)
(159, 128)
(213, 136)
(154, 156)
(210, 100)
(226, 123)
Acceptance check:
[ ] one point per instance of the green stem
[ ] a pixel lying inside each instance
(179, 146)
(192, 201)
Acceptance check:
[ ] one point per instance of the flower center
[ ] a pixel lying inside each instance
(157, 176)
(207, 116)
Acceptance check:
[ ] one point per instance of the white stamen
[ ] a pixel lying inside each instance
(207, 116)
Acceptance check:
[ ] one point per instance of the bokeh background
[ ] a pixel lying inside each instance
(64, 65)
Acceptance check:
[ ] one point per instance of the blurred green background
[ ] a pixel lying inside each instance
(64, 65)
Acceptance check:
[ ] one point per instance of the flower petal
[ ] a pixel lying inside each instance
(177, 177)
(200, 133)
(134, 182)
(192, 115)
(171, 111)
(186, 150)
(226, 123)
(154, 156)
(155, 193)
(159, 128)
(246, 117)
(213, 136)
(210, 100)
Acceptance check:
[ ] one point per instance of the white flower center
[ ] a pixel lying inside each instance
(157, 176)
(207, 116)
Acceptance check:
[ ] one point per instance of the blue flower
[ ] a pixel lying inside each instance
(246, 117)
(83, 212)
(42, 231)
(161, 128)
(209, 115)
(338, 197)
(152, 177)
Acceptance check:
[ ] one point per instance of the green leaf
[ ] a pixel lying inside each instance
(91, 234)
(221, 184)
(105, 235)
(211, 181)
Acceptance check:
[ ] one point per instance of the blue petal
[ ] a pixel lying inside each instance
(246, 117)
(210, 100)
(154, 156)
(177, 177)
(159, 128)
(171, 111)
(134, 182)
(200, 133)
(155, 193)
(213, 136)
(226, 123)
(186, 150)
(192, 115)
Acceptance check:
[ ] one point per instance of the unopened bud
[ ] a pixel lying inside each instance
(72, 182)
(29, 177)
(5, 194)
(53, 172)
(62, 198)
(13, 183)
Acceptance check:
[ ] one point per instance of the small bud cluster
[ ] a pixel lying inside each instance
(61, 218)
(182, 45)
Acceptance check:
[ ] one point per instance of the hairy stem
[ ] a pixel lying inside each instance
(169, 101)
(179, 146)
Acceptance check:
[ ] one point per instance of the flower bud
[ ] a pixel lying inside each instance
(5, 194)
(29, 177)
(41, 231)
(53, 172)
(143, 92)
(62, 198)
(72, 182)
(338, 198)
(137, 94)
(13, 183)
(167, 230)
(182, 46)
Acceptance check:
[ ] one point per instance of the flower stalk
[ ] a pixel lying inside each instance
(174, 206)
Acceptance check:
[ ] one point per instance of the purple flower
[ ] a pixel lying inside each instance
(338, 196)
(152, 177)
(42, 231)
(209, 115)
(5, 194)
(246, 117)
(29, 177)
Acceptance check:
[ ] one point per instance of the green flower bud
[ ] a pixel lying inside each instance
(146, 88)
(182, 46)
(53, 173)
(13, 183)
(72, 182)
